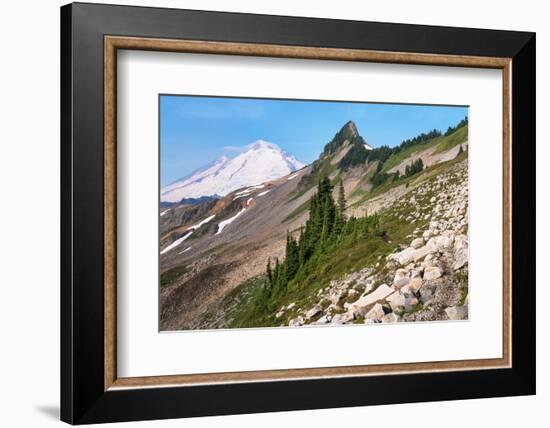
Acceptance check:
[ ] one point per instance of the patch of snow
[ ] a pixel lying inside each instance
(250, 189)
(265, 192)
(184, 251)
(227, 222)
(176, 243)
(292, 176)
(244, 195)
(206, 220)
(249, 201)
(366, 146)
(164, 212)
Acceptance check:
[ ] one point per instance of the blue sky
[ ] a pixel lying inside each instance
(197, 130)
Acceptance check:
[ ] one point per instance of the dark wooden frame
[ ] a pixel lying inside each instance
(89, 33)
(114, 43)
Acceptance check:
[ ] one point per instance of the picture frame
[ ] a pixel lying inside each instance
(91, 390)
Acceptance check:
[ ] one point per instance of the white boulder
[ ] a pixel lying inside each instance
(460, 258)
(417, 243)
(342, 318)
(461, 241)
(313, 311)
(376, 313)
(396, 301)
(443, 242)
(422, 252)
(359, 307)
(296, 322)
(404, 257)
(432, 272)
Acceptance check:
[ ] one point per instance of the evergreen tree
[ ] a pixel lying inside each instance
(276, 275)
(356, 155)
(269, 273)
(341, 201)
(292, 261)
(414, 167)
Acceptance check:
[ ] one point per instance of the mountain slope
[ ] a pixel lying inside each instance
(243, 230)
(210, 276)
(415, 270)
(261, 162)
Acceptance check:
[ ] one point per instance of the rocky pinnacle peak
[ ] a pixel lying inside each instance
(350, 126)
(348, 133)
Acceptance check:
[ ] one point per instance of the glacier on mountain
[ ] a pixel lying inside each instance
(261, 162)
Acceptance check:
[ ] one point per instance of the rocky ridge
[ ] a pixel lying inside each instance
(425, 279)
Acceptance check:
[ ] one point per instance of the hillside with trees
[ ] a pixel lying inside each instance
(325, 232)
(325, 243)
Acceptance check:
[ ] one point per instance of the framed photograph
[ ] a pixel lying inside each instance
(265, 213)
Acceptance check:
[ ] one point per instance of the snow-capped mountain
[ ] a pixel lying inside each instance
(261, 162)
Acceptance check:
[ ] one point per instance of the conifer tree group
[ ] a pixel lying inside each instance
(460, 124)
(414, 167)
(326, 227)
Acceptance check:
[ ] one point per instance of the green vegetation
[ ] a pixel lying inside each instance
(449, 141)
(453, 129)
(420, 139)
(168, 277)
(320, 168)
(347, 254)
(354, 249)
(391, 157)
(328, 246)
(424, 141)
(386, 157)
(462, 277)
(413, 168)
(382, 181)
(417, 307)
(463, 295)
(381, 178)
(241, 301)
(403, 180)
(325, 228)
(356, 155)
